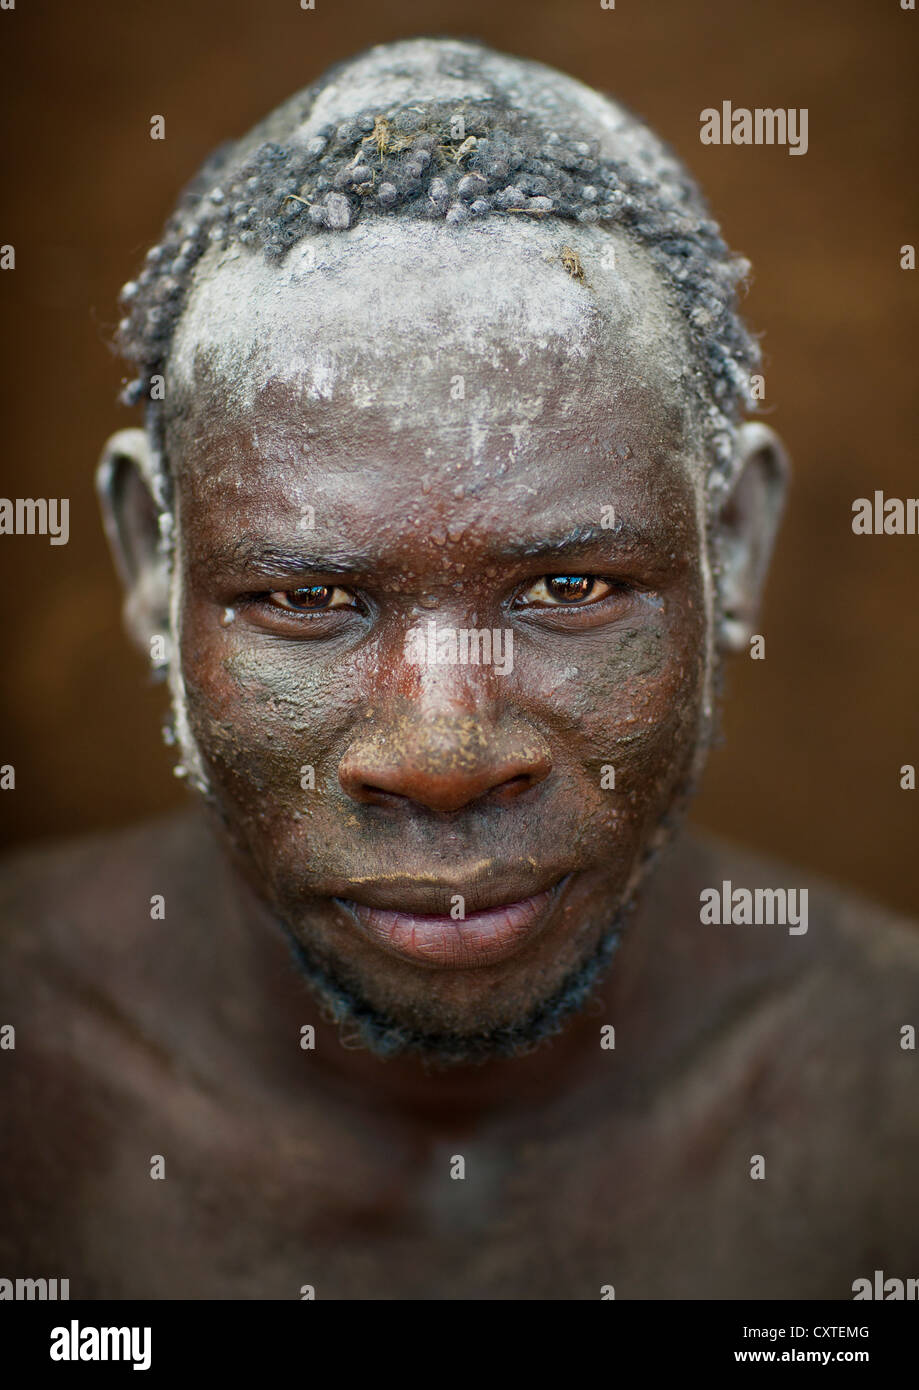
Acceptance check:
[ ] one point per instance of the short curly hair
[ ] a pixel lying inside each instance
(450, 130)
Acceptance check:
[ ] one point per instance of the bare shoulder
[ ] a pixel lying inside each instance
(68, 892)
(834, 928)
(81, 921)
(99, 931)
(84, 974)
(844, 1027)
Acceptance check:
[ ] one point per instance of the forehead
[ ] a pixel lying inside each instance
(378, 313)
(415, 355)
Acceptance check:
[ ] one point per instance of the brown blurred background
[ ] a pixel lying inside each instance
(818, 731)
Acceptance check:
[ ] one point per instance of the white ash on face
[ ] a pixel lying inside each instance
(451, 132)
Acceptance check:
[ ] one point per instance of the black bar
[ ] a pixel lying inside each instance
(317, 1340)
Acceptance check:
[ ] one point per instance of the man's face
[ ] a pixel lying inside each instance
(399, 434)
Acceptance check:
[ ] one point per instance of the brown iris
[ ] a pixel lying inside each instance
(312, 597)
(569, 588)
(316, 596)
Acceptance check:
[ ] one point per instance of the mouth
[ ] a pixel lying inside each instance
(456, 942)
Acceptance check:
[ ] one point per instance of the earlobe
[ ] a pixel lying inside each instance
(130, 514)
(746, 529)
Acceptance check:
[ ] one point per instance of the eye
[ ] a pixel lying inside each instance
(567, 590)
(315, 598)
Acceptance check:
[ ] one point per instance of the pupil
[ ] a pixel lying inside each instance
(570, 587)
(313, 597)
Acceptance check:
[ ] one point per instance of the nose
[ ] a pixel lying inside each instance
(443, 764)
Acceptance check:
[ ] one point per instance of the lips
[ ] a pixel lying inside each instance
(479, 938)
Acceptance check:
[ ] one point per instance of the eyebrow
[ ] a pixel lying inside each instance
(272, 560)
(622, 533)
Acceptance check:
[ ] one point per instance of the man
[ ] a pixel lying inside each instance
(443, 518)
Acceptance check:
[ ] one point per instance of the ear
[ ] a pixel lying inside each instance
(124, 483)
(746, 528)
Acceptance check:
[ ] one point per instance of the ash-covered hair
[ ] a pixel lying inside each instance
(449, 131)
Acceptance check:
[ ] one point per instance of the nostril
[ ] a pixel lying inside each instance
(440, 794)
(513, 787)
(445, 784)
(378, 796)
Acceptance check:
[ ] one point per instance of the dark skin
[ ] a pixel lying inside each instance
(331, 1167)
(428, 778)
(584, 1167)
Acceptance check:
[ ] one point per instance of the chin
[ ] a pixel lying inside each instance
(392, 1032)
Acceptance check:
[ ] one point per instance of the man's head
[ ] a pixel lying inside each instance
(448, 513)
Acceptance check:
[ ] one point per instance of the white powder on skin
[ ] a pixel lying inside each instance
(324, 319)
(486, 295)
